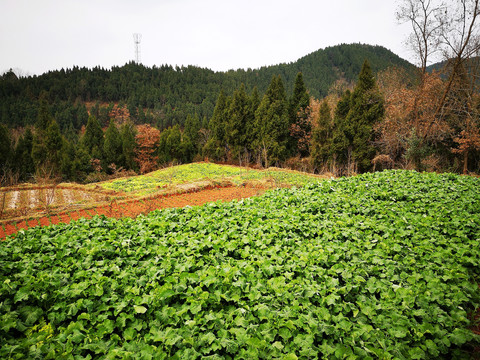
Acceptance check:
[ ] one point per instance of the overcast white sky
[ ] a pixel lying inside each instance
(41, 35)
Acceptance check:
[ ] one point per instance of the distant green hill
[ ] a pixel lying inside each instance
(472, 65)
(323, 67)
(169, 94)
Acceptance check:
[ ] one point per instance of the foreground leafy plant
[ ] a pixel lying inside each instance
(377, 266)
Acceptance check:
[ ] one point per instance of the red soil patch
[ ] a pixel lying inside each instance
(10, 229)
(22, 225)
(64, 218)
(136, 207)
(44, 221)
(89, 213)
(74, 215)
(84, 214)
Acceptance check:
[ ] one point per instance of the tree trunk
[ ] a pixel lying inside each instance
(465, 162)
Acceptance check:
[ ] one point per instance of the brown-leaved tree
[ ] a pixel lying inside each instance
(147, 139)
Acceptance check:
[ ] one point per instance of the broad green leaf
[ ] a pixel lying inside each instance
(140, 309)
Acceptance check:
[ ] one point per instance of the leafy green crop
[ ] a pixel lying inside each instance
(381, 265)
(173, 175)
(148, 183)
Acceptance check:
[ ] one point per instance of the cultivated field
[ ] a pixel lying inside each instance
(378, 266)
(192, 184)
(211, 173)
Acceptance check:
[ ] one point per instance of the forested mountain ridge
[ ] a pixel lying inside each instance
(166, 95)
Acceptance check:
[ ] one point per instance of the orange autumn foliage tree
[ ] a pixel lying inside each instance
(119, 113)
(468, 140)
(410, 115)
(147, 139)
(464, 105)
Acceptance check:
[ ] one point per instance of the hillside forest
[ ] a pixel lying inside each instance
(342, 110)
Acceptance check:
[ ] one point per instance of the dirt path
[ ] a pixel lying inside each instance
(134, 208)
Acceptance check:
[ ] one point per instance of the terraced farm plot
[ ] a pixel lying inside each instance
(32, 199)
(31, 205)
(379, 266)
(29, 200)
(198, 172)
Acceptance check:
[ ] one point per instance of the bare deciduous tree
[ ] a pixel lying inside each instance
(453, 33)
(459, 42)
(426, 20)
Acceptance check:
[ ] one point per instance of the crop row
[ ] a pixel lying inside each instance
(381, 265)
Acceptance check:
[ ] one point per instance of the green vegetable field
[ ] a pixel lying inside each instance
(377, 266)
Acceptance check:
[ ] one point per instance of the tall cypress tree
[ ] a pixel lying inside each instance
(170, 145)
(92, 140)
(81, 116)
(112, 146)
(23, 155)
(300, 98)
(81, 166)
(127, 133)
(250, 128)
(355, 116)
(39, 147)
(53, 145)
(271, 124)
(321, 146)
(44, 116)
(217, 146)
(67, 161)
(217, 122)
(298, 124)
(5, 149)
(367, 109)
(341, 140)
(239, 117)
(192, 128)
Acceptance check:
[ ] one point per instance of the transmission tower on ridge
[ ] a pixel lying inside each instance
(136, 39)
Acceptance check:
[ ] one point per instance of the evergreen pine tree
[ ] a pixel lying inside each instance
(81, 116)
(217, 147)
(340, 148)
(82, 165)
(44, 116)
(53, 145)
(255, 99)
(367, 109)
(355, 116)
(39, 146)
(71, 134)
(271, 124)
(187, 149)
(192, 128)
(239, 117)
(250, 127)
(23, 155)
(321, 146)
(127, 133)
(297, 106)
(92, 140)
(112, 146)
(170, 145)
(5, 149)
(67, 161)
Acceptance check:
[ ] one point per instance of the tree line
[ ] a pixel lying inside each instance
(380, 122)
(164, 96)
